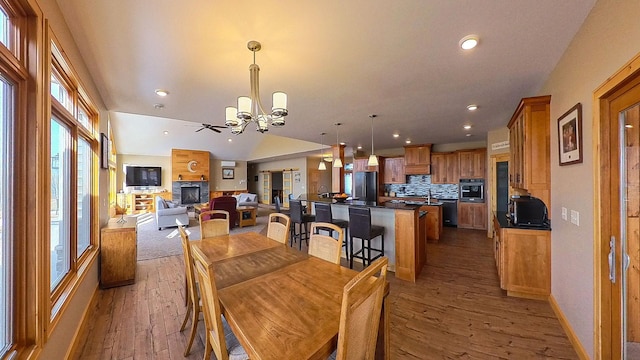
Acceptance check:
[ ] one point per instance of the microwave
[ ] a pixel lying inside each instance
(472, 190)
(528, 211)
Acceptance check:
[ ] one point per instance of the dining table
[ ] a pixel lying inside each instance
(281, 303)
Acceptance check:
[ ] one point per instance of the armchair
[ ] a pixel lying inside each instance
(227, 203)
(166, 215)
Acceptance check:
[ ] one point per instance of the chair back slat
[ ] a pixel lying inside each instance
(188, 268)
(323, 212)
(360, 313)
(214, 223)
(359, 222)
(323, 246)
(278, 227)
(276, 201)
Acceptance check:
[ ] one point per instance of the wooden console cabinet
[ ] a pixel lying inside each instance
(472, 215)
(118, 252)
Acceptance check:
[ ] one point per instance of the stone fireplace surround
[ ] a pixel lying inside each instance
(177, 192)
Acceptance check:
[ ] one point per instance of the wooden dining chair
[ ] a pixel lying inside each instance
(219, 336)
(360, 313)
(324, 246)
(214, 223)
(278, 227)
(193, 300)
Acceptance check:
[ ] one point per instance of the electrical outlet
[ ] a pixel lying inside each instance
(575, 217)
(564, 213)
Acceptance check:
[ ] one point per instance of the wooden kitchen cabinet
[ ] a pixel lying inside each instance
(360, 165)
(472, 163)
(118, 252)
(394, 170)
(434, 222)
(523, 259)
(417, 159)
(444, 168)
(529, 142)
(472, 215)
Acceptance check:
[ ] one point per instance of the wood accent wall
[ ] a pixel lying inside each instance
(180, 161)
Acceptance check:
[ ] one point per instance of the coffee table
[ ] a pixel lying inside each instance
(246, 216)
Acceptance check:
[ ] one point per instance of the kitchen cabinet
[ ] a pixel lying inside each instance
(472, 163)
(472, 215)
(394, 170)
(411, 247)
(529, 142)
(360, 165)
(417, 159)
(444, 168)
(523, 261)
(118, 252)
(434, 221)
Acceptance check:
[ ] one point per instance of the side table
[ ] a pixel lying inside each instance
(246, 215)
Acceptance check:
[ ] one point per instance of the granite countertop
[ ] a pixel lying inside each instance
(505, 223)
(371, 204)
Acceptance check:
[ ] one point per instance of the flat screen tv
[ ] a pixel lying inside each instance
(143, 176)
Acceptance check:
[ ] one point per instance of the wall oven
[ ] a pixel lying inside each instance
(472, 190)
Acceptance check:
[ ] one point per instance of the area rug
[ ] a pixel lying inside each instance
(154, 243)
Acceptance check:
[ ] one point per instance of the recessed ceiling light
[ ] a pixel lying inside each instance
(158, 106)
(407, 141)
(472, 107)
(343, 143)
(229, 140)
(467, 127)
(469, 135)
(396, 135)
(359, 147)
(469, 42)
(162, 92)
(166, 132)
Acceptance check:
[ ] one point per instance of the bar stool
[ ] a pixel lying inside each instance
(302, 219)
(323, 214)
(360, 227)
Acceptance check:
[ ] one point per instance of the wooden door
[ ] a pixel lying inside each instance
(287, 187)
(266, 188)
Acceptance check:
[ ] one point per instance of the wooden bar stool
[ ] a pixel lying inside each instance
(360, 227)
(323, 214)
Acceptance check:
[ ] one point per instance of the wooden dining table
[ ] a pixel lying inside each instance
(281, 303)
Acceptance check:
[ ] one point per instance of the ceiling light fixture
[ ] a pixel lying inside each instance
(396, 135)
(322, 166)
(229, 140)
(162, 92)
(469, 42)
(359, 147)
(337, 163)
(467, 127)
(373, 159)
(472, 107)
(166, 132)
(250, 108)
(407, 141)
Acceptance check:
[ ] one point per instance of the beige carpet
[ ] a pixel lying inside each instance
(153, 244)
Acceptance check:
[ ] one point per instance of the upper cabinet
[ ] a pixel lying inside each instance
(472, 163)
(444, 168)
(417, 159)
(394, 170)
(529, 170)
(360, 165)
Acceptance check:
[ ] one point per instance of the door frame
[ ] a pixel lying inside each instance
(493, 182)
(602, 97)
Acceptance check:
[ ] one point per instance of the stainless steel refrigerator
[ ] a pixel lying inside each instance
(365, 186)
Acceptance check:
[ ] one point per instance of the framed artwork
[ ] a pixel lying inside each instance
(104, 151)
(227, 173)
(570, 136)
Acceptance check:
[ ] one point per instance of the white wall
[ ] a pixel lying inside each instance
(605, 42)
(144, 160)
(299, 163)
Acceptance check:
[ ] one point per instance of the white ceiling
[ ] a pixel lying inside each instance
(338, 61)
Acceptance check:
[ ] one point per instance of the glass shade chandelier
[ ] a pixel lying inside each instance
(250, 109)
(337, 162)
(373, 159)
(322, 166)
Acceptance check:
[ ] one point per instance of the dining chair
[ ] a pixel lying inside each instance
(326, 247)
(278, 227)
(219, 337)
(360, 313)
(214, 223)
(360, 227)
(301, 219)
(193, 300)
(278, 206)
(324, 214)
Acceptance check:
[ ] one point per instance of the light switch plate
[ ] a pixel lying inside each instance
(575, 217)
(564, 213)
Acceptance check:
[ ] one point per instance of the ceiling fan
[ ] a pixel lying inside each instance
(212, 127)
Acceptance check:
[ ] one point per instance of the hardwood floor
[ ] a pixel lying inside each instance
(455, 310)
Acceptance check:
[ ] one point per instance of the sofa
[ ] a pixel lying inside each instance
(227, 203)
(246, 199)
(168, 214)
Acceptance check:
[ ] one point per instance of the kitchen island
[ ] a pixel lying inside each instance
(404, 235)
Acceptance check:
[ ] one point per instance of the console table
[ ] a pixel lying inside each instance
(118, 252)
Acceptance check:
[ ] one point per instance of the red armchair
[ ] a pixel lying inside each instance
(228, 203)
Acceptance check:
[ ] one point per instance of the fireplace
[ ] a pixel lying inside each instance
(190, 194)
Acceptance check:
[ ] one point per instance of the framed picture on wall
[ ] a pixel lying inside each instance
(227, 173)
(570, 136)
(104, 151)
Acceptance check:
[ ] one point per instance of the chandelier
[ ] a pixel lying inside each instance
(250, 109)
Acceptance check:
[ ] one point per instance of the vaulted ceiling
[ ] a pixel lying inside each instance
(338, 61)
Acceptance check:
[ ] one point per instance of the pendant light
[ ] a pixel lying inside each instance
(373, 159)
(337, 162)
(322, 166)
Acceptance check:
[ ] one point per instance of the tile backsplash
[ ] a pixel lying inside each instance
(419, 185)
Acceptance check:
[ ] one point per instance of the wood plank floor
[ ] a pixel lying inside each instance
(455, 310)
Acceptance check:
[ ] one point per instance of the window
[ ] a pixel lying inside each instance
(84, 196)
(4, 28)
(60, 202)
